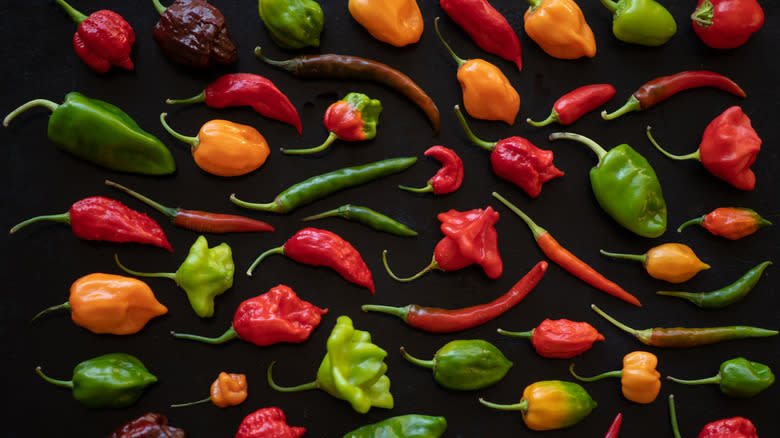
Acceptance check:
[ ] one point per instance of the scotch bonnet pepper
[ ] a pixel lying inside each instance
(640, 382)
(230, 389)
(643, 22)
(672, 262)
(148, 425)
(293, 24)
(448, 178)
(730, 222)
(396, 22)
(724, 296)
(559, 28)
(738, 377)
(402, 426)
(726, 24)
(268, 422)
(560, 338)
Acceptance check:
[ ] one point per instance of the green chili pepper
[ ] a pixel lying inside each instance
(366, 216)
(738, 378)
(626, 187)
(403, 426)
(353, 370)
(102, 134)
(293, 24)
(204, 274)
(319, 186)
(114, 380)
(725, 296)
(465, 364)
(643, 22)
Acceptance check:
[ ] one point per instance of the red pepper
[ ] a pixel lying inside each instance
(614, 428)
(448, 178)
(246, 89)
(726, 24)
(103, 38)
(436, 320)
(268, 423)
(575, 104)
(486, 26)
(99, 218)
(728, 148)
(730, 222)
(736, 427)
(316, 247)
(560, 339)
(149, 425)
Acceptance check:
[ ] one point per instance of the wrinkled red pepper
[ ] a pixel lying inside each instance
(576, 103)
(726, 24)
(730, 222)
(149, 425)
(448, 178)
(561, 338)
(268, 423)
(736, 427)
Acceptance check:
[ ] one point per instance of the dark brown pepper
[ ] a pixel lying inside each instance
(150, 425)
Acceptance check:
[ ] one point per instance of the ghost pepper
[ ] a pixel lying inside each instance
(560, 338)
(448, 178)
(268, 423)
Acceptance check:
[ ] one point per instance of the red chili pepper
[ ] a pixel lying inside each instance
(103, 38)
(575, 104)
(316, 247)
(560, 339)
(730, 222)
(726, 24)
(664, 87)
(736, 427)
(268, 423)
(614, 428)
(486, 26)
(99, 218)
(151, 425)
(448, 178)
(436, 320)
(246, 89)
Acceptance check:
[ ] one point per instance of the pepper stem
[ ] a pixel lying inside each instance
(609, 4)
(303, 387)
(65, 306)
(332, 136)
(477, 141)
(330, 213)
(286, 64)
(401, 312)
(168, 211)
(64, 383)
(160, 8)
(274, 206)
(431, 266)
(193, 141)
(457, 58)
(227, 336)
(77, 16)
(423, 363)
(277, 250)
(694, 155)
(694, 297)
(64, 218)
(527, 334)
(631, 105)
(199, 402)
(170, 275)
(709, 380)
(535, 229)
(522, 406)
(617, 373)
(595, 147)
(37, 102)
(194, 99)
(696, 221)
(427, 189)
(635, 257)
(703, 14)
(553, 117)
(614, 321)
(673, 417)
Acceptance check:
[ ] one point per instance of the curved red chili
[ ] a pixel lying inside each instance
(448, 178)
(576, 103)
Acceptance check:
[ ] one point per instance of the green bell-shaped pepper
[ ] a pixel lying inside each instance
(403, 426)
(293, 24)
(353, 370)
(739, 378)
(114, 380)
(643, 22)
(204, 274)
(466, 364)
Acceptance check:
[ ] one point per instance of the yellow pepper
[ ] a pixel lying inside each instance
(560, 29)
(396, 22)
(639, 379)
(672, 262)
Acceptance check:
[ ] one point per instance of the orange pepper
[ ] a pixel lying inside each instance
(672, 262)
(229, 390)
(396, 22)
(560, 29)
(639, 379)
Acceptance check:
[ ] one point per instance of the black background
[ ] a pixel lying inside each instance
(43, 260)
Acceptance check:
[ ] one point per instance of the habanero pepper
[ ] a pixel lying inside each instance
(448, 179)
(643, 22)
(559, 28)
(247, 89)
(726, 24)
(576, 103)
(353, 118)
(560, 338)
(396, 22)
(316, 247)
(151, 425)
(100, 218)
(268, 422)
(728, 148)
(738, 377)
(735, 427)
(726, 295)
(730, 222)
(402, 426)
(639, 380)
(292, 24)
(672, 262)
(366, 216)
(230, 389)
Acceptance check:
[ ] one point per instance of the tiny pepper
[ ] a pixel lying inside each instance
(487, 93)
(353, 118)
(402, 426)
(576, 103)
(268, 423)
(230, 389)
(396, 22)
(225, 148)
(672, 262)
(735, 427)
(726, 295)
(726, 24)
(366, 216)
(150, 425)
(292, 24)
(106, 303)
(728, 148)
(559, 28)
(465, 365)
(614, 428)
(730, 222)
(103, 38)
(550, 404)
(448, 178)
(204, 274)
(738, 377)
(353, 369)
(639, 380)
(643, 22)
(115, 380)
(560, 338)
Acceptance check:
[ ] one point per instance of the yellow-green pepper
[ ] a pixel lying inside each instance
(643, 22)
(293, 24)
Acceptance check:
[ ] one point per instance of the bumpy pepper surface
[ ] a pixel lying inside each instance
(268, 422)
(672, 262)
(448, 179)
(643, 22)
(293, 24)
(730, 222)
(560, 338)
(639, 380)
(726, 24)
(738, 377)
(465, 365)
(229, 389)
(396, 22)
(560, 29)
(735, 427)
(724, 296)
(402, 426)
(150, 425)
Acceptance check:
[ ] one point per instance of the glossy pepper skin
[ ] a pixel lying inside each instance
(576, 103)
(672, 262)
(726, 295)
(738, 378)
(643, 22)
(560, 338)
(402, 426)
(150, 425)
(368, 217)
(560, 29)
(396, 22)
(733, 223)
(726, 24)
(115, 380)
(614, 428)
(448, 179)
(735, 427)
(99, 132)
(640, 382)
(229, 389)
(106, 303)
(551, 404)
(268, 423)
(293, 24)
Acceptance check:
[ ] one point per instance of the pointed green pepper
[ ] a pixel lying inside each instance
(739, 378)
(465, 364)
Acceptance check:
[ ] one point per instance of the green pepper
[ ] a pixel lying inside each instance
(465, 364)
(293, 24)
(626, 187)
(724, 296)
(403, 426)
(114, 380)
(204, 274)
(353, 370)
(102, 134)
(643, 22)
(368, 217)
(738, 378)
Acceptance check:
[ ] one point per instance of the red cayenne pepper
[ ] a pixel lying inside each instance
(486, 26)
(614, 428)
(268, 423)
(575, 104)
(246, 89)
(316, 247)
(726, 24)
(560, 339)
(436, 320)
(730, 222)
(99, 218)
(448, 178)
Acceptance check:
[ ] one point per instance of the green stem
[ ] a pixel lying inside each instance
(171, 275)
(194, 99)
(631, 105)
(288, 65)
(457, 58)
(673, 417)
(696, 221)
(65, 306)
(535, 229)
(635, 257)
(37, 102)
(609, 4)
(401, 312)
(199, 402)
(534, 4)
(427, 189)
(227, 336)
(522, 406)
(614, 321)
(63, 218)
(595, 147)
(527, 334)
(617, 373)
(340, 212)
(694, 297)
(277, 250)
(703, 14)
(303, 387)
(77, 16)
(423, 363)
(160, 8)
(168, 211)
(326, 144)
(64, 383)
(694, 155)
(553, 117)
(477, 141)
(431, 266)
(193, 141)
(710, 380)
(274, 206)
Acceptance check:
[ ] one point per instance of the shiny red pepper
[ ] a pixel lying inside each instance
(149, 425)
(730, 222)
(448, 178)
(614, 428)
(576, 103)
(560, 339)
(726, 24)
(736, 427)
(268, 423)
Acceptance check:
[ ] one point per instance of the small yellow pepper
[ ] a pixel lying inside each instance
(560, 29)
(396, 22)
(672, 262)
(639, 379)
(229, 389)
